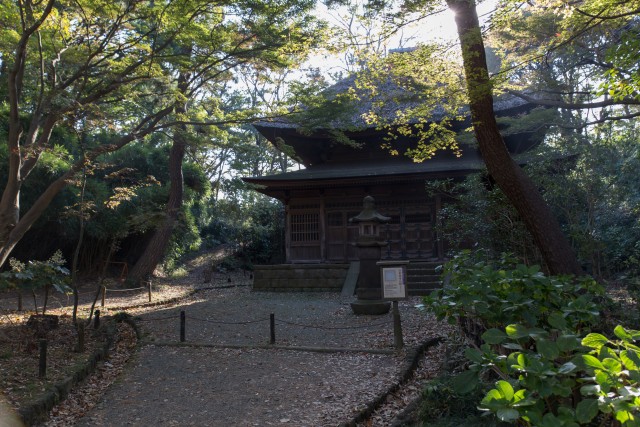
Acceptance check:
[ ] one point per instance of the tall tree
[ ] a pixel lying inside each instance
(436, 99)
(104, 62)
(516, 185)
(601, 35)
(262, 35)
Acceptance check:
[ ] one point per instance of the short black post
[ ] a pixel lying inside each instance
(104, 295)
(397, 327)
(149, 284)
(19, 301)
(96, 320)
(80, 347)
(42, 364)
(272, 323)
(183, 321)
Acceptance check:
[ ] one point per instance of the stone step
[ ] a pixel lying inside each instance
(422, 278)
(421, 292)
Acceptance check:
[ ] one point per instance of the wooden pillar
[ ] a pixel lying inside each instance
(403, 233)
(287, 231)
(436, 228)
(323, 228)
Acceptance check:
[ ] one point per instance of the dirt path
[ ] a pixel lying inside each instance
(209, 383)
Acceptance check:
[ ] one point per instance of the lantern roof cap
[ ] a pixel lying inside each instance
(369, 212)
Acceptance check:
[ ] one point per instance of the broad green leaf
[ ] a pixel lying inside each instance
(622, 333)
(567, 368)
(567, 342)
(592, 361)
(590, 390)
(586, 410)
(606, 352)
(630, 359)
(557, 321)
(612, 365)
(512, 346)
(606, 381)
(550, 420)
(516, 331)
(623, 416)
(474, 355)
(519, 395)
(537, 333)
(547, 349)
(465, 382)
(635, 334)
(505, 389)
(494, 336)
(628, 391)
(493, 400)
(508, 414)
(594, 340)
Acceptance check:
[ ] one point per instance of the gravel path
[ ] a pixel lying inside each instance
(227, 374)
(209, 383)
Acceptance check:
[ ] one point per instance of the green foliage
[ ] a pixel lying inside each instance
(535, 343)
(485, 295)
(557, 379)
(600, 217)
(580, 51)
(499, 229)
(253, 228)
(101, 75)
(444, 406)
(37, 274)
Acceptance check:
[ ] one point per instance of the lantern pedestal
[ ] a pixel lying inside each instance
(370, 307)
(369, 286)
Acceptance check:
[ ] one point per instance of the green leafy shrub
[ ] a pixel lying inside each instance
(534, 343)
(480, 294)
(36, 275)
(555, 379)
(443, 406)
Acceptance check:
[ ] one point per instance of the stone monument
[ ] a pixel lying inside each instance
(369, 244)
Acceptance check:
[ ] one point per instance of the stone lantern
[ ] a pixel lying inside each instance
(369, 244)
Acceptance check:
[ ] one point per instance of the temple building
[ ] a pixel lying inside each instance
(319, 199)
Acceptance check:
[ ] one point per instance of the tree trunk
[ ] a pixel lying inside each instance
(517, 186)
(155, 250)
(76, 252)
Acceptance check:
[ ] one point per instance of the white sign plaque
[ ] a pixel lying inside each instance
(393, 283)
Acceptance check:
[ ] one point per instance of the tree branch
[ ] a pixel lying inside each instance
(574, 105)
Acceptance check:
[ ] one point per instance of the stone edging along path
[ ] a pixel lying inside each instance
(411, 363)
(38, 410)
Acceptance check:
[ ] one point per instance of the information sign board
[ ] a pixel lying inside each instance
(394, 282)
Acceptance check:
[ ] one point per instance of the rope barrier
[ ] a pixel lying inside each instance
(291, 323)
(158, 319)
(227, 323)
(124, 290)
(334, 327)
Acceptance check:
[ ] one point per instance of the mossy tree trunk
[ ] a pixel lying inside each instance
(508, 175)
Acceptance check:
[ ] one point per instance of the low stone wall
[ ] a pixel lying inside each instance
(299, 277)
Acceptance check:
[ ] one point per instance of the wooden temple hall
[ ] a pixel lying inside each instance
(320, 199)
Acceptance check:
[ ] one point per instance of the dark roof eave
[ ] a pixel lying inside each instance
(271, 184)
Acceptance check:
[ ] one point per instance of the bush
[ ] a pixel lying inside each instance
(480, 294)
(444, 407)
(534, 344)
(555, 379)
(36, 275)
